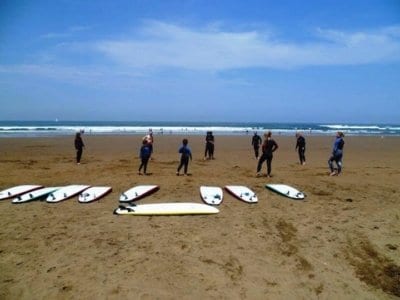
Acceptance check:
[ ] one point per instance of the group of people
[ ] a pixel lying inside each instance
(146, 151)
(268, 147)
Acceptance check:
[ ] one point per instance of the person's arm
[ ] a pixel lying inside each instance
(275, 147)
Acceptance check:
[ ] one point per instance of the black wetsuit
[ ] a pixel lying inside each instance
(256, 141)
(268, 148)
(186, 154)
(79, 148)
(209, 146)
(301, 148)
(337, 155)
(145, 153)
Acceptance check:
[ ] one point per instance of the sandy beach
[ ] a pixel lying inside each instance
(342, 242)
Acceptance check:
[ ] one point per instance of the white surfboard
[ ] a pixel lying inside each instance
(93, 193)
(18, 190)
(159, 209)
(34, 195)
(65, 193)
(242, 193)
(211, 195)
(138, 192)
(286, 190)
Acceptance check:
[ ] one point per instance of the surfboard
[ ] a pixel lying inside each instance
(159, 209)
(34, 195)
(65, 193)
(286, 190)
(242, 193)
(18, 190)
(138, 192)
(211, 195)
(93, 193)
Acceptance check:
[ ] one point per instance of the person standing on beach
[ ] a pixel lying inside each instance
(150, 141)
(79, 145)
(301, 147)
(186, 154)
(337, 154)
(268, 147)
(256, 142)
(145, 153)
(209, 152)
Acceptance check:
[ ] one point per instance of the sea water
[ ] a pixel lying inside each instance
(61, 128)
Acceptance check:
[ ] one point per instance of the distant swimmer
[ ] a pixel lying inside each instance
(186, 154)
(301, 147)
(79, 145)
(268, 147)
(256, 142)
(209, 151)
(337, 155)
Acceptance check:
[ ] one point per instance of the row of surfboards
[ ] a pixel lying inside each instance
(212, 196)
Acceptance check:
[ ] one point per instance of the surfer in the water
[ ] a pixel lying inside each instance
(186, 154)
(145, 153)
(268, 147)
(79, 145)
(301, 147)
(209, 152)
(337, 154)
(256, 142)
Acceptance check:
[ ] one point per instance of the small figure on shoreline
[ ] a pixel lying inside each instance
(268, 147)
(337, 155)
(301, 147)
(209, 152)
(145, 153)
(79, 145)
(256, 142)
(186, 154)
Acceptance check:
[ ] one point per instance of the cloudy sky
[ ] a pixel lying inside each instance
(197, 60)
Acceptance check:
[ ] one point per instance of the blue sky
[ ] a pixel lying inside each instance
(143, 60)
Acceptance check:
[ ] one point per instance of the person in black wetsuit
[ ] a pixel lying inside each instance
(337, 154)
(209, 152)
(79, 145)
(268, 147)
(186, 154)
(301, 147)
(256, 142)
(145, 153)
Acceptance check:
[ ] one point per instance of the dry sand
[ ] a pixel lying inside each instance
(342, 242)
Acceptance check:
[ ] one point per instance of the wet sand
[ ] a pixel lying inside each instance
(342, 242)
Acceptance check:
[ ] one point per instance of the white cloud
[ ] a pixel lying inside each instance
(158, 45)
(70, 32)
(166, 45)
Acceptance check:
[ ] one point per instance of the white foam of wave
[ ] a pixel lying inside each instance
(360, 127)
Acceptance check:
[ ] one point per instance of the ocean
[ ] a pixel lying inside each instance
(62, 128)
